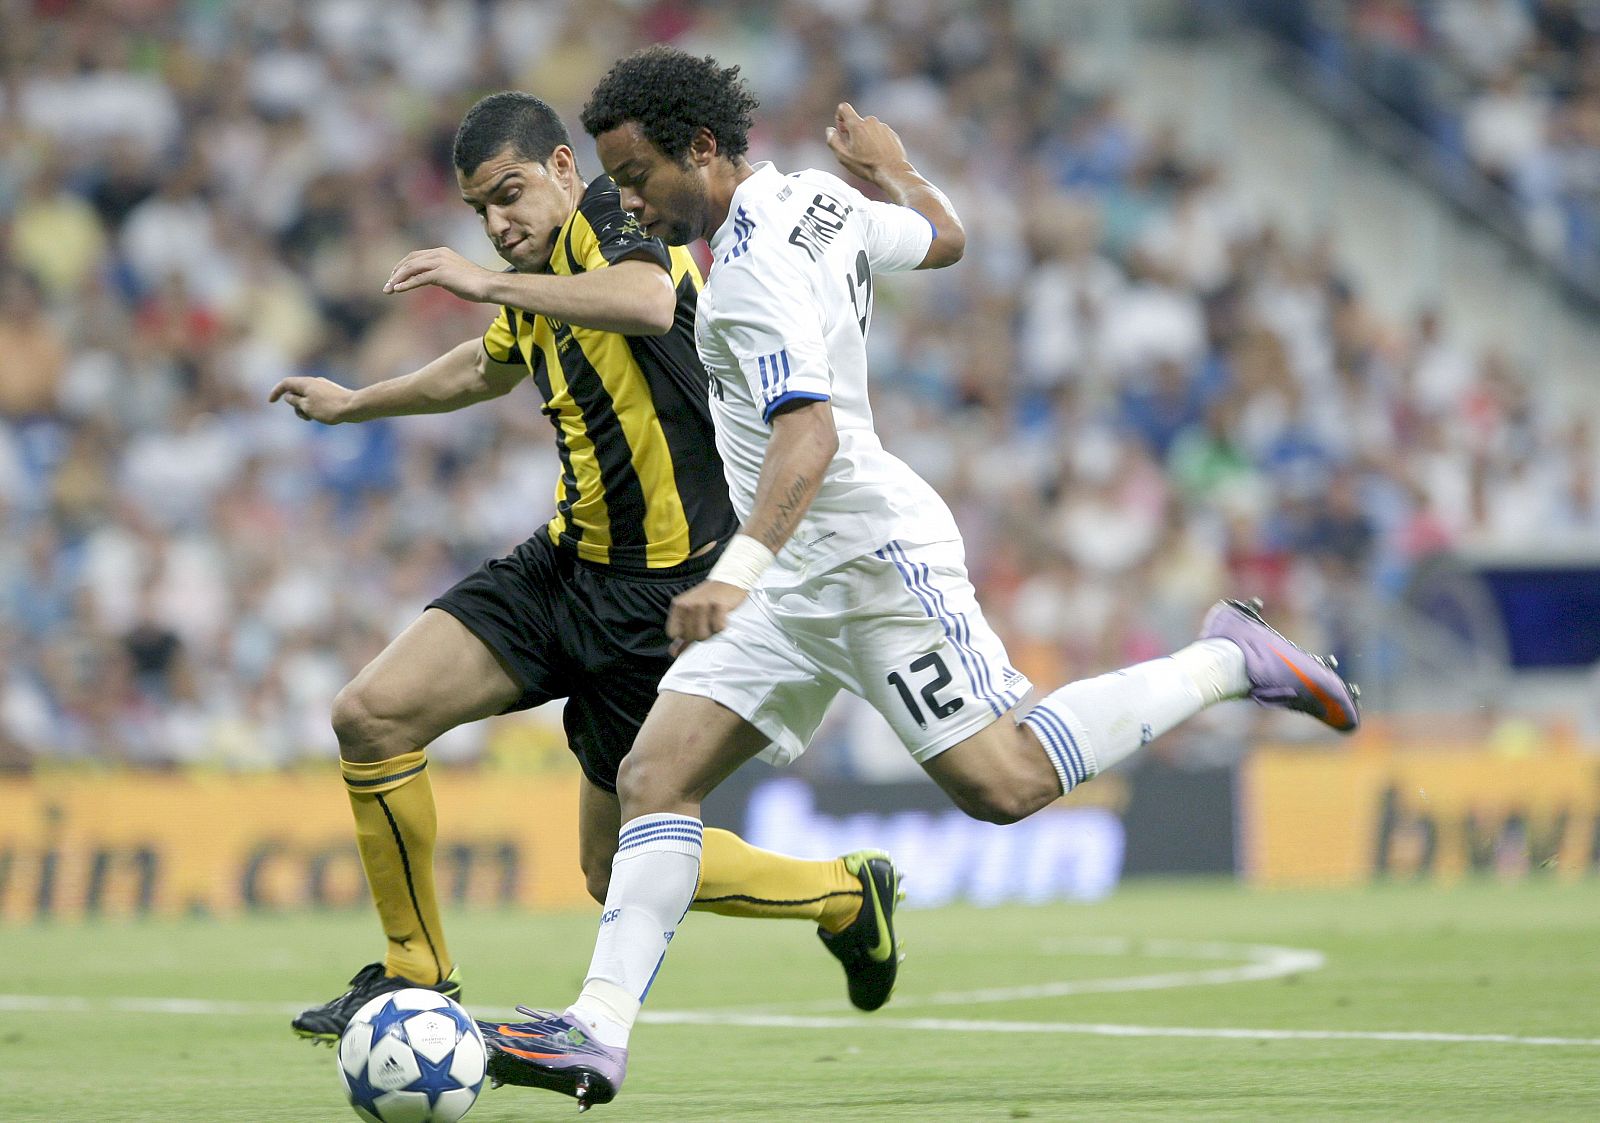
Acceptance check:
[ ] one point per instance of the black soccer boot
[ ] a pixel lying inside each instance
(324, 1024)
(868, 948)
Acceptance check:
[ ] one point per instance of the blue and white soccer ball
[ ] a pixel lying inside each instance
(412, 1056)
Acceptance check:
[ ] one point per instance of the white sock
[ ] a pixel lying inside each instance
(1216, 667)
(1086, 727)
(652, 885)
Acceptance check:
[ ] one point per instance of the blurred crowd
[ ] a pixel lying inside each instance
(1510, 88)
(1136, 394)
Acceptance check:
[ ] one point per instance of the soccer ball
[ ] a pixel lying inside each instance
(412, 1056)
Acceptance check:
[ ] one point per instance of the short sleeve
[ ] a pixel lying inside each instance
(617, 235)
(500, 340)
(774, 332)
(897, 237)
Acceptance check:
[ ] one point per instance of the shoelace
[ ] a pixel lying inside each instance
(541, 1016)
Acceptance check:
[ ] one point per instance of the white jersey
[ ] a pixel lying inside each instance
(784, 317)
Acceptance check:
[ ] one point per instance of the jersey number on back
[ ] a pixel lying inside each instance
(860, 287)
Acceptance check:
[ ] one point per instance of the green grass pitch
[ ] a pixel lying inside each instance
(965, 1039)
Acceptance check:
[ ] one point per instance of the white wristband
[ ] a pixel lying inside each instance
(742, 563)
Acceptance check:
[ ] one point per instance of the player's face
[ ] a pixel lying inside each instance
(667, 197)
(523, 204)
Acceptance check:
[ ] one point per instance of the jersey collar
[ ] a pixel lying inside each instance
(763, 173)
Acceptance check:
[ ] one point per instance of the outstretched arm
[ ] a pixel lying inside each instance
(633, 297)
(873, 151)
(460, 377)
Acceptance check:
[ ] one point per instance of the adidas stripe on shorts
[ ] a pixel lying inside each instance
(900, 627)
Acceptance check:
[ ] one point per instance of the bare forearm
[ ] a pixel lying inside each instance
(630, 298)
(803, 445)
(909, 188)
(456, 379)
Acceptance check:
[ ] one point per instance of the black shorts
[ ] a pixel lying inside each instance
(566, 628)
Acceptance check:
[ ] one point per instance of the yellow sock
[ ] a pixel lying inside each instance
(737, 879)
(395, 830)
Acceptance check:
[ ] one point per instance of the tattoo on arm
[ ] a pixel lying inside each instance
(790, 506)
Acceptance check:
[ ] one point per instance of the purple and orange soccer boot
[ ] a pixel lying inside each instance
(1280, 673)
(557, 1052)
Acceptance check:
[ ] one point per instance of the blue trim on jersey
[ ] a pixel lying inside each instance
(743, 228)
(928, 220)
(919, 579)
(774, 371)
(791, 396)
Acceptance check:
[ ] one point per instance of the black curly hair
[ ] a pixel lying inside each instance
(510, 119)
(672, 94)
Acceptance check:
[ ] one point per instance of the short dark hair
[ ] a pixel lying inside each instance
(672, 94)
(525, 124)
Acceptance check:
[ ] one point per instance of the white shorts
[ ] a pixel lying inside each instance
(901, 628)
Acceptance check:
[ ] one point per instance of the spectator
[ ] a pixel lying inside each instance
(1135, 394)
(33, 352)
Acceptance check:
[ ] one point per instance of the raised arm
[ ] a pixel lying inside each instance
(873, 151)
(460, 377)
(633, 297)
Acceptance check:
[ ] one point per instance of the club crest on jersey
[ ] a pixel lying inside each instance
(821, 223)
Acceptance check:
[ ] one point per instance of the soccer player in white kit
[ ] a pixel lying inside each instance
(848, 571)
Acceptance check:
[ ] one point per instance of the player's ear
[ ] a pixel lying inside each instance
(702, 147)
(564, 165)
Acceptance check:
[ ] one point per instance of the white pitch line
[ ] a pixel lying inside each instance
(71, 1004)
(1263, 961)
(952, 1025)
(43, 1003)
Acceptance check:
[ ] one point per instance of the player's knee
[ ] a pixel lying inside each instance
(994, 807)
(597, 877)
(638, 782)
(363, 733)
(645, 784)
(1005, 803)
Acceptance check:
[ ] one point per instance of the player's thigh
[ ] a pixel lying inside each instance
(756, 670)
(921, 650)
(999, 774)
(689, 745)
(612, 630)
(432, 677)
(599, 821)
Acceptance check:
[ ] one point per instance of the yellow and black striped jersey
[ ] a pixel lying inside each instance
(641, 483)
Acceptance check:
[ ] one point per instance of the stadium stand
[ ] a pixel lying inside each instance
(1137, 394)
(1500, 99)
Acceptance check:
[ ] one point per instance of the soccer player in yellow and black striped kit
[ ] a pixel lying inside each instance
(601, 317)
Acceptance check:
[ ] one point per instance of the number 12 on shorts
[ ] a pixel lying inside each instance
(929, 689)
